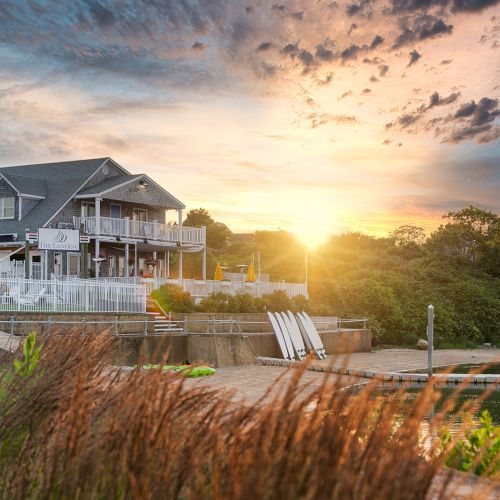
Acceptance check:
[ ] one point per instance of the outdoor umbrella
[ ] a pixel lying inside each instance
(251, 273)
(219, 276)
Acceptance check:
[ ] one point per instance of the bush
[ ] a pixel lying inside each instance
(173, 299)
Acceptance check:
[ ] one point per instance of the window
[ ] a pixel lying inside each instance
(7, 208)
(88, 209)
(115, 211)
(140, 214)
(73, 264)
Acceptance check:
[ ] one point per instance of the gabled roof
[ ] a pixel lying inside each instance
(107, 185)
(60, 181)
(26, 185)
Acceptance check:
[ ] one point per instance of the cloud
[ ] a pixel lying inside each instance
(399, 6)
(318, 119)
(414, 57)
(344, 95)
(378, 40)
(264, 46)
(424, 27)
(383, 69)
(199, 46)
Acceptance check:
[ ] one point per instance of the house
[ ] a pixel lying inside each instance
(123, 214)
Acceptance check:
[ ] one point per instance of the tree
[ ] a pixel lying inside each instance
(217, 232)
(198, 217)
(217, 235)
(408, 234)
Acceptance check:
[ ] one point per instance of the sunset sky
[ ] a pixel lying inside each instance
(313, 116)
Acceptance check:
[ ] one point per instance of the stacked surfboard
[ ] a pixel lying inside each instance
(295, 333)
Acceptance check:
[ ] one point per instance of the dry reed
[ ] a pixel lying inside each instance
(79, 428)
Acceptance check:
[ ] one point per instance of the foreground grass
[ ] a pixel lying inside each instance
(75, 428)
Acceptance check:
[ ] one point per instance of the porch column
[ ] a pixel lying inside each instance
(97, 233)
(168, 265)
(180, 243)
(127, 253)
(204, 270)
(135, 262)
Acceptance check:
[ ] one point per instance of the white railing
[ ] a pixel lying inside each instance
(142, 230)
(11, 268)
(71, 296)
(200, 288)
(243, 277)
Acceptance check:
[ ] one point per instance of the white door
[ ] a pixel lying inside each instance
(36, 265)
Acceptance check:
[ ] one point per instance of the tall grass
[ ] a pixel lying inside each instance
(79, 428)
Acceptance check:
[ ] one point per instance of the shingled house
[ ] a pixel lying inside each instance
(123, 214)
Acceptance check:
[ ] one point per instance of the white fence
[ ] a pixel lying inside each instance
(142, 230)
(243, 277)
(200, 288)
(71, 296)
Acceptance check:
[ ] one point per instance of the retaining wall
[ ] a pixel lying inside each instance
(228, 349)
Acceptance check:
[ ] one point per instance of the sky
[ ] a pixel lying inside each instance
(313, 116)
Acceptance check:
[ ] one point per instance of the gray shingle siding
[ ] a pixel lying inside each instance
(27, 205)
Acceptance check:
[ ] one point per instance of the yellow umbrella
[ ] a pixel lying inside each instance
(219, 276)
(251, 273)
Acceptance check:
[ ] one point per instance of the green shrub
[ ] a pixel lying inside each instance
(173, 299)
(479, 450)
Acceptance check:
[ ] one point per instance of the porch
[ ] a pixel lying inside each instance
(127, 228)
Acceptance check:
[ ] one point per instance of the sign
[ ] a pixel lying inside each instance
(58, 239)
(84, 238)
(31, 237)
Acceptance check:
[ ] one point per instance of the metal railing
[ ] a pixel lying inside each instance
(145, 327)
(155, 231)
(71, 296)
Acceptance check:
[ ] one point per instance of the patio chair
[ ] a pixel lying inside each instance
(30, 300)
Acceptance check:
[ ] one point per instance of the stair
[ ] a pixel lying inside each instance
(163, 325)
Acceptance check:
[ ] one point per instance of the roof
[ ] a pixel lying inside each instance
(58, 181)
(26, 185)
(107, 185)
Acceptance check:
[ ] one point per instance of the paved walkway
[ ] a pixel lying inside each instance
(393, 360)
(250, 383)
(9, 343)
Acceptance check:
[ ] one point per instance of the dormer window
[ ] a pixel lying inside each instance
(7, 206)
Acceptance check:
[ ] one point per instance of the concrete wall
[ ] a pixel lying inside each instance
(225, 349)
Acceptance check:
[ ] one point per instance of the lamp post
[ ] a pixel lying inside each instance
(430, 337)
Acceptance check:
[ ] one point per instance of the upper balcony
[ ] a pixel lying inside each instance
(140, 230)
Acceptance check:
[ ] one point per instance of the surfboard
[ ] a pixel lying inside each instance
(279, 336)
(286, 335)
(316, 346)
(303, 332)
(296, 329)
(315, 335)
(298, 345)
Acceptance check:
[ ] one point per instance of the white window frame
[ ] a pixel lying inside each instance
(68, 267)
(3, 208)
(135, 215)
(115, 205)
(86, 204)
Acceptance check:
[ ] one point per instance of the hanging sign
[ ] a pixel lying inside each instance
(31, 237)
(84, 238)
(58, 239)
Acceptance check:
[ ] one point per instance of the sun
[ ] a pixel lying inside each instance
(311, 237)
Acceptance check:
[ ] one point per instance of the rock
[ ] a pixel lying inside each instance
(487, 344)
(422, 344)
